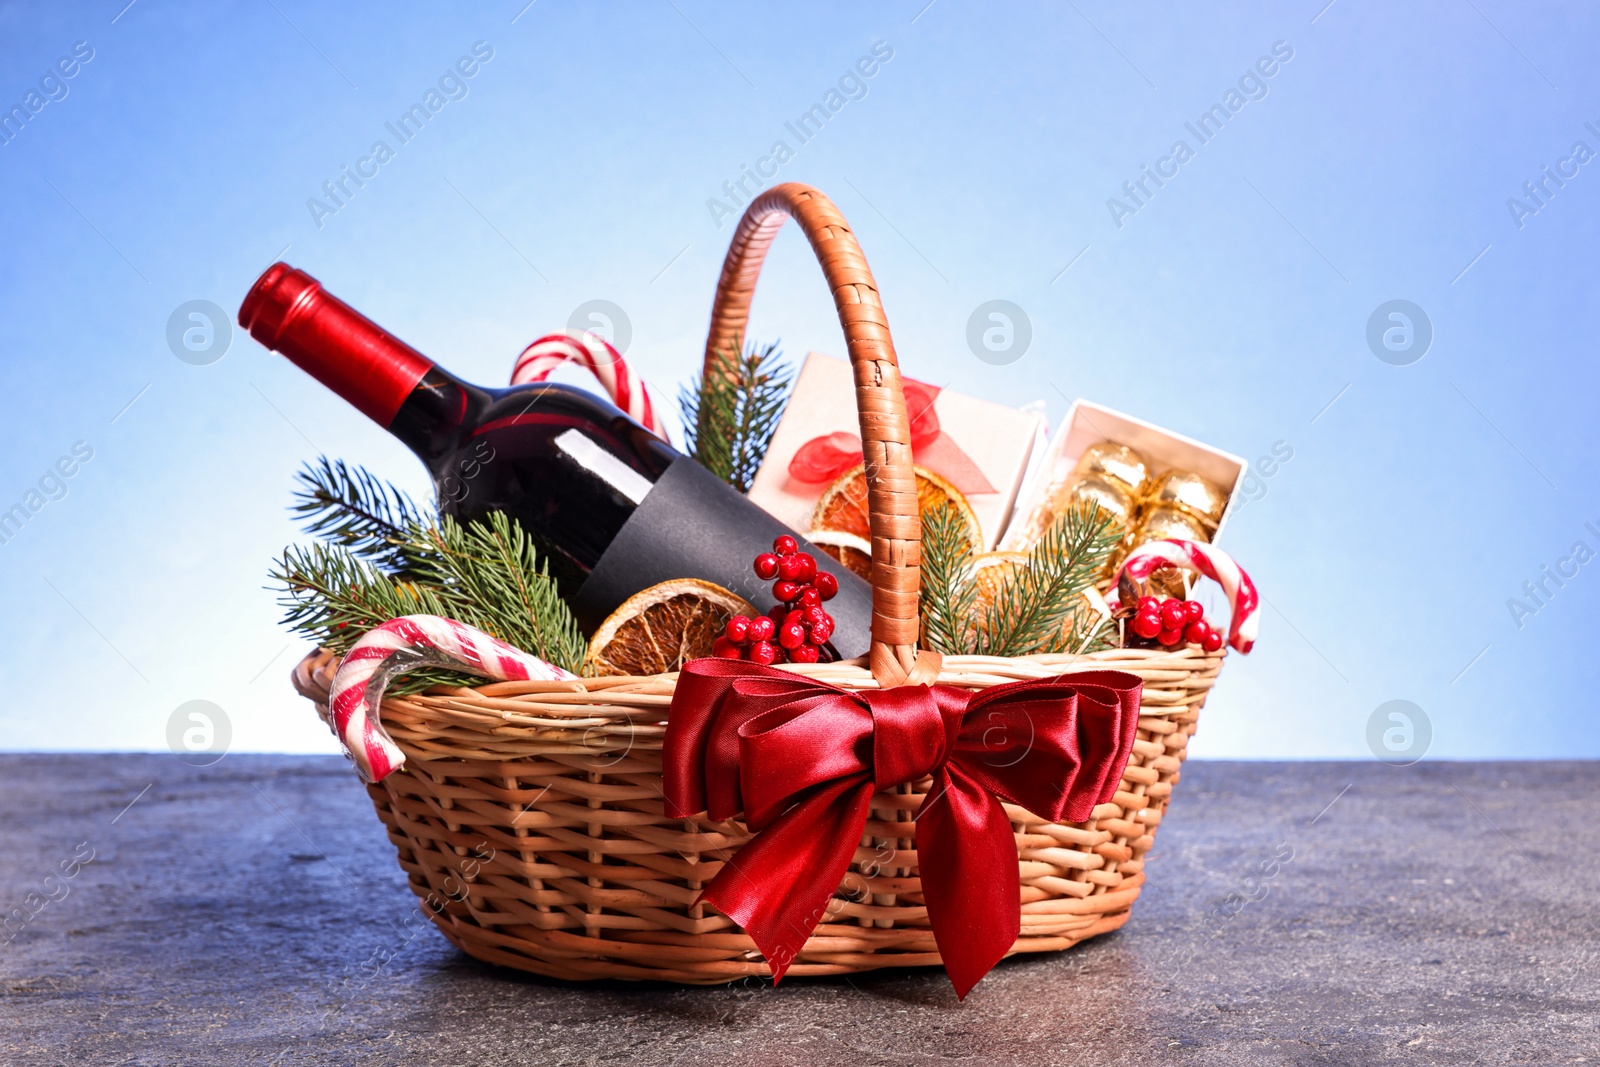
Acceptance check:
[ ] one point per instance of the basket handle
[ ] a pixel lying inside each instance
(892, 510)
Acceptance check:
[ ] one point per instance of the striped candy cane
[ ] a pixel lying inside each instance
(1244, 604)
(591, 351)
(404, 644)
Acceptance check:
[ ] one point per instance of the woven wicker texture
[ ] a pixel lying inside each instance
(530, 818)
(530, 815)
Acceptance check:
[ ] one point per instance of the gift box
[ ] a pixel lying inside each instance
(981, 448)
(1089, 424)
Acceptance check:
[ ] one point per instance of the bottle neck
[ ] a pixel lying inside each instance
(434, 415)
(288, 311)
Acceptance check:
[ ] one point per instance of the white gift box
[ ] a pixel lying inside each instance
(1089, 424)
(983, 446)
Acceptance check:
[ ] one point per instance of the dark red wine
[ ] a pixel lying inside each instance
(611, 506)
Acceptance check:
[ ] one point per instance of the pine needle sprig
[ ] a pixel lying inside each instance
(381, 559)
(332, 598)
(948, 591)
(1038, 606)
(349, 506)
(492, 576)
(1030, 608)
(730, 412)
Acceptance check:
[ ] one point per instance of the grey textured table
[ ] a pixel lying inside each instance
(1437, 914)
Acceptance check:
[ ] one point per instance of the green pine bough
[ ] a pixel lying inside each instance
(1039, 605)
(731, 410)
(379, 559)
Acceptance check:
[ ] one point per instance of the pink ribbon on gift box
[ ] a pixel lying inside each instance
(825, 458)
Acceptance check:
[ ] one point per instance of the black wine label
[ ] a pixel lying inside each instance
(692, 524)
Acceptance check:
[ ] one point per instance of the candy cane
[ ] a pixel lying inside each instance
(404, 644)
(591, 351)
(1244, 604)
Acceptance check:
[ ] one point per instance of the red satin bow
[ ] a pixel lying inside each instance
(802, 759)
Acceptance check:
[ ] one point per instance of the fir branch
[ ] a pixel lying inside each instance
(1033, 605)
(332, 598)
(493, 578)
(1038, 606)
(948, 591)
(730, 412)
(351, 507)
(484, 574)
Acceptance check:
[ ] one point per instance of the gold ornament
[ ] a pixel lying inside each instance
(1116, 463)
(1189, 492)
(1163, 522)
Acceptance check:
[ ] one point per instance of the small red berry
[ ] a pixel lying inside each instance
(813, 616)
(826, 585)
(1172, 616)
(1168, 638)
(779, 612)
(810, 598)
(738, 629)
(1196, 631)
(786, 590)
(805, 654)
(784, 545)
(761, 629)
(808, 566)
(766, 566)
(789, 568)
(792, 636)
(1193, 611)
(764, 653)
(724, 648)
(1149, 603)
(822, 630)
(1146, 625)
(1213, 642)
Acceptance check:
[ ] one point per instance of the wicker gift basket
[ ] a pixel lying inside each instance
(530, 818)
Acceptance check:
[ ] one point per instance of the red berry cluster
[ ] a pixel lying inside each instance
(797, 628)
(1171, 622)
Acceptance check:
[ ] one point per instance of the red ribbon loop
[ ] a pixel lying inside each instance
(802, 759)
(825, 458)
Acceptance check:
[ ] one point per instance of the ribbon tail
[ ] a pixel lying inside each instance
(967, 859)
(777, 887)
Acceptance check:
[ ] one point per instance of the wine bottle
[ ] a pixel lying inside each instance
(612, 507)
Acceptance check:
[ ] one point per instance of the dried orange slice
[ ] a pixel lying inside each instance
(990, 571)
(661, 628)
(852, 551)
(843, 506)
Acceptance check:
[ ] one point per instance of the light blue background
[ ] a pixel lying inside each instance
(1232, 308)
